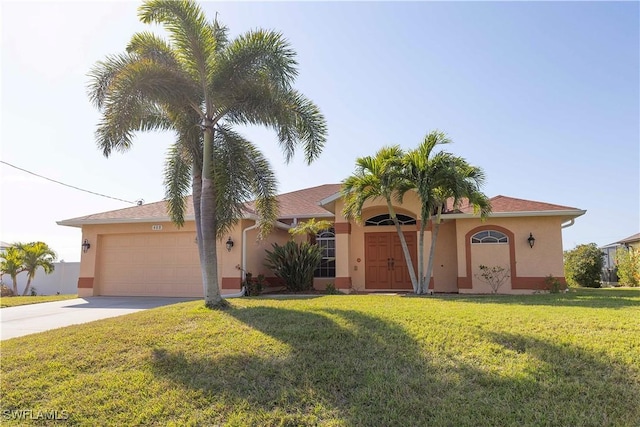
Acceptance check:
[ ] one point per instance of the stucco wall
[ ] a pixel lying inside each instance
(529, 265)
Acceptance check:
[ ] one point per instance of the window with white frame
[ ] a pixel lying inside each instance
(326, 241)
(385, 219)
(489, 236)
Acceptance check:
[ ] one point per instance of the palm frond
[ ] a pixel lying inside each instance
(188, 29)
(241, 173)
(150, 46)
(177, 182)
(258, 53)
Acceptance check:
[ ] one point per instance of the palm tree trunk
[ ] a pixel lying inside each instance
(421, 276)
(196, 189)
(432, 250)
(405, 248)
(208, 224)
(14, 280)
(26, 288)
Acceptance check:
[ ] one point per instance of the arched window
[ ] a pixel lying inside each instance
(489, 236)
(385, 219)
(326, 240)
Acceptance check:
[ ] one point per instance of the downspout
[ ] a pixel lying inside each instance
(571, 222)
(244, 262)
(243, 266)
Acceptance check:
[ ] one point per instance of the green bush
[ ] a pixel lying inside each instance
(628, 263)
(253, 286)
(294, 263)
(583, 265)
(552, 284)
(332, 290)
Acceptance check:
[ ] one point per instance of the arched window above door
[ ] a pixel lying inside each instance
(385, 219)
(489, 236)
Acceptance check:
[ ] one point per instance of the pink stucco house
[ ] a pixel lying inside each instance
(138, 251)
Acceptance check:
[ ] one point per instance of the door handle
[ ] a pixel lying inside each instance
(393, 261)
(388, 264)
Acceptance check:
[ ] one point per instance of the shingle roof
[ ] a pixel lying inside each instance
(300, 204)
(304, 204)
(631, 239)
(500, 204)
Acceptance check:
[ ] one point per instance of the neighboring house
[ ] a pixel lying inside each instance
(609, 269)
(4, 246)
(138, 251)
(631, 242)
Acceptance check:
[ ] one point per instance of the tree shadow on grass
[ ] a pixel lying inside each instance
(347, 367)
(618, 298)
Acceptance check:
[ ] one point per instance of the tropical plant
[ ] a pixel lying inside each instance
(378, 177)
(294, 263)
(34, 255)
(311, 226)
(583, 264)
(440, 179)
(200, 84)
(11, 263)
(628, 263)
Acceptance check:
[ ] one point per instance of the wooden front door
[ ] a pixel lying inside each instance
(385, 265)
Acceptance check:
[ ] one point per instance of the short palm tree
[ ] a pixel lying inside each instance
(34, 255)
(440, 178)
(11, 264)
(380, 176)
(200, 84)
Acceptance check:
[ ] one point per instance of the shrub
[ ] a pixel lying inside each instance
(493, 276)
(583, 265)
(628, 263)
(332, 290)
(5, 291)
(552, 284)
(253, 287)
(294, 263)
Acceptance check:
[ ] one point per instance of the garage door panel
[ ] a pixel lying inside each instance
(149, 264)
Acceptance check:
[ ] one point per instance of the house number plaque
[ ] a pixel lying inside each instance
(156, 227)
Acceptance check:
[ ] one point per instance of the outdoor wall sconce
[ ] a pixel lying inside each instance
(229, 244)
(531, 240)
(85, 246)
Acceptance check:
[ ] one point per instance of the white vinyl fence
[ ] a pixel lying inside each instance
(63, 280)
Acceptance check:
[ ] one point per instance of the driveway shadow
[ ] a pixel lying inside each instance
(127, 302)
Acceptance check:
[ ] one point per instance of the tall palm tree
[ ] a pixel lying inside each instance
(380, 176)
(440, 178)
(11, 264)
(200, 84)
(34, 255)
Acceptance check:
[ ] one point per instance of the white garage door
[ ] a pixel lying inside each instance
(161, 264)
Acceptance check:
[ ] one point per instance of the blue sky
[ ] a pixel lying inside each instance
(545, 96)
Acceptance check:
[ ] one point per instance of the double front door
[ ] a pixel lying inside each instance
(385, 265)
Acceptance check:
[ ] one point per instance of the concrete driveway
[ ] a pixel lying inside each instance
(29, 319)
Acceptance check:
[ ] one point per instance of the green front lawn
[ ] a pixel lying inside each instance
(15, 301)
(563, 360)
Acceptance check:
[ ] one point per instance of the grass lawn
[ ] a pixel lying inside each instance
(15, 301)
(541, 360)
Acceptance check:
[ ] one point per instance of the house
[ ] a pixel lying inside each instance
(609, 268)
(138, 251)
